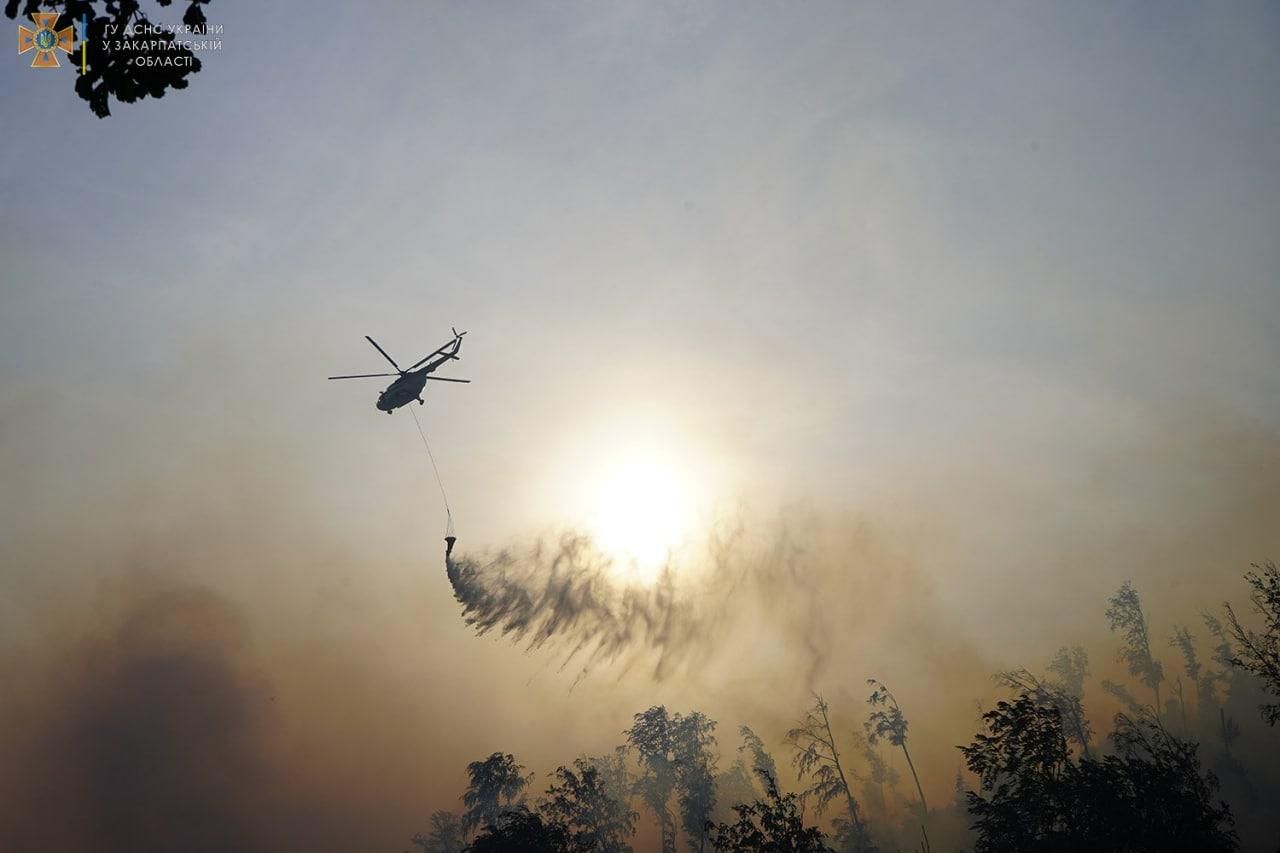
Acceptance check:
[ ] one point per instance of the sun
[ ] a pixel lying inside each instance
(640, 511)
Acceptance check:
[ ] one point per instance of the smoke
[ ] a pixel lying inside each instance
(164, 715)
(149, 737)
(282, 681)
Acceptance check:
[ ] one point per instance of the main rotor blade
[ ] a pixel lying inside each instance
(384, 352)
(362, 375)
(456, 343)
(445, 379)
(444, 355)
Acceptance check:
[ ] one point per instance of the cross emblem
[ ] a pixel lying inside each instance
(45, 40)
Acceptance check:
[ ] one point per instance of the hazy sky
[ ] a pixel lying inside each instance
(996, 282)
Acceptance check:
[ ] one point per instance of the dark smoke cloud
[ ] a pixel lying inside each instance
(148, 737)
(149, 724)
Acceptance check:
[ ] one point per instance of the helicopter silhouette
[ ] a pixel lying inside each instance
(409, 383)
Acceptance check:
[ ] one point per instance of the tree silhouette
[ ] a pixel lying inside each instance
(733, 788)
(127, 72)
(879, 777)
(495, 785)
(1148, 796)
(580, 802)
(677, 756)
(1226, 728)
(651, 735)
(1121, 693)
(519, 830)
(737, 785)
(1125, 614)
(1200, 676)
(761, 760)
(614, 776)
(695, 760)
(1259, 653)
(888, 722)
(1066, 692)
(446, 834)
(817, 759)
(771, 825)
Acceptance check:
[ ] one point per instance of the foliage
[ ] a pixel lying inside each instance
(761, 760)
(113, 72)
(1122, 694)
(817, 759)
(1149, 795)
(737, 785)
(1183, 641)
(888, 721)
(1071, 666)
(771, 825)
(579, 801)
(881, 775)
(446, 835)
(695, 774)
(1125, 614)
(651, 737)
(1258, 653)
(496, 784)
(1043, 785)
(676, 756)
(522, 831)
(1222, 652)
(1065, 692)
(733, 787)
(1205, 678)
(613, 774)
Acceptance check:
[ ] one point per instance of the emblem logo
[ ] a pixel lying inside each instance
(45, 40)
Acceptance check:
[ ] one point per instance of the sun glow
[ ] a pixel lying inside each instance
(641, 510)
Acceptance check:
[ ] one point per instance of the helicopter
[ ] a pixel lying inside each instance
(409, 383)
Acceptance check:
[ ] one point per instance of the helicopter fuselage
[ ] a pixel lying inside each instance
(404, 390)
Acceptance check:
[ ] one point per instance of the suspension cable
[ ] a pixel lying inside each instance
(439, 482)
